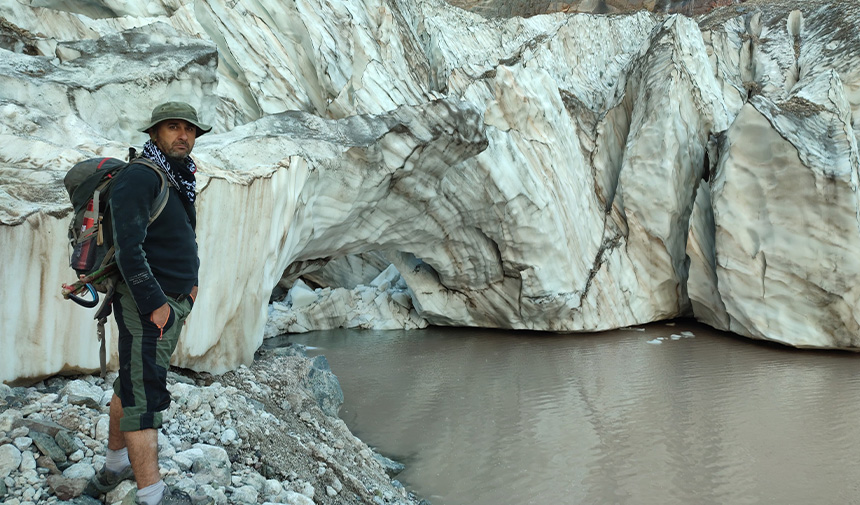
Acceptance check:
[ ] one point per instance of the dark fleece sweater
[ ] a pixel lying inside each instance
(161, 258)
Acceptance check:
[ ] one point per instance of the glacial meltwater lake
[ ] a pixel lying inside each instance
(661, 414)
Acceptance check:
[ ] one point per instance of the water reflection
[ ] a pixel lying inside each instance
(493, 417)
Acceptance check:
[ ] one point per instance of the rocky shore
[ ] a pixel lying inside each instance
(268, 433)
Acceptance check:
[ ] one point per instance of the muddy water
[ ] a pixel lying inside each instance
(625, 417)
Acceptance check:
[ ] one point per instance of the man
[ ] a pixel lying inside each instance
(158, 263)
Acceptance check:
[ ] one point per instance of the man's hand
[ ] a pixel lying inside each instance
(193, 294)
(160, 315)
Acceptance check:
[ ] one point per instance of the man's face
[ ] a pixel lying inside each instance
(175, 137)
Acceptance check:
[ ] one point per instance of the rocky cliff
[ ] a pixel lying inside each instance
(561, 172)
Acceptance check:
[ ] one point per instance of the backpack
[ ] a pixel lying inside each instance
(89, 185)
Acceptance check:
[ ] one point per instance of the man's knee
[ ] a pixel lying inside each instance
(115, 407)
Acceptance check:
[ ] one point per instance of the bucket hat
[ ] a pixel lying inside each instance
(176, 110)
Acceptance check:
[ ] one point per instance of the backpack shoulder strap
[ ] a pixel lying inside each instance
(158, 204)
(161, 199)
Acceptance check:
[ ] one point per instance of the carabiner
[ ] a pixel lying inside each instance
(86, 303)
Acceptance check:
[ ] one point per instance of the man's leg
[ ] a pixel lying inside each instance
(142, 446)
(117, 467)
(116, 440)
(143, 453)
(144, 356)
(116, 457)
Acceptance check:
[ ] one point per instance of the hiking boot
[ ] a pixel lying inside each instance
(175, 497)
(104, 481)
(171, 497)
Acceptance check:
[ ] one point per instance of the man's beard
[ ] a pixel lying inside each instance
(175, 161)
(175, 157)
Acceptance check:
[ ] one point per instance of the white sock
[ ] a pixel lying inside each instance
(152, 494)
(117, 461)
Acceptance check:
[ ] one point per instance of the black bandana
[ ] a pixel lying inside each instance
(182, 178)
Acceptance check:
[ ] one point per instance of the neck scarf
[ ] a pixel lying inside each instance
(182, 178)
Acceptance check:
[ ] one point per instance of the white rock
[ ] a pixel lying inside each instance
(102, 427)
(10, 459)
(272, 487)
(206, 422)
(23, 443)
(254, 480)
(81, 470)
(184, 460)
(193, 400)
(220, 405)
(82, 393)
(118, 493)
(207, 396)
(180, 390)
(28, 461)
(305, 488)
(8, 417)
(211, 461)
(244, 494)
(293, 498)
(228, 436)
(31, 477)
